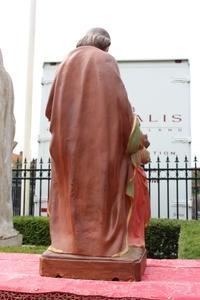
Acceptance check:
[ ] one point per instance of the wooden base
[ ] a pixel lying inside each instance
(129, 267)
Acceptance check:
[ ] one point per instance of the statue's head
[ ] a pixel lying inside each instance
(97, 37)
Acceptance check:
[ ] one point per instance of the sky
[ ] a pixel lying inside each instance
(139, 29)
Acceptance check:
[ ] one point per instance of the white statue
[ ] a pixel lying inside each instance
(7, 132)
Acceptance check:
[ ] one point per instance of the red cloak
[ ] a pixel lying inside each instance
(140, 214)
(90, 122)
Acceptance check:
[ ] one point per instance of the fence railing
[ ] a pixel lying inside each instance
(174, 188)
(30, 187)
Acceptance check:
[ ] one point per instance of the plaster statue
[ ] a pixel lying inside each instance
(7, 132)
(91, 121)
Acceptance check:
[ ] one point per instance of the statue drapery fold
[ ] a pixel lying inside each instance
(90, 122)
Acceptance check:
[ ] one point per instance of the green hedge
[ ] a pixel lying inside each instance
(35, 230)
(164, 238)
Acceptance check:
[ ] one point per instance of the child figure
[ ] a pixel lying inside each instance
(137, 187)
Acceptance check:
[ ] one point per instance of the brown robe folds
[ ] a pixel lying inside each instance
(90, 122)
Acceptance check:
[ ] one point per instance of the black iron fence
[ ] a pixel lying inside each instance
(174, 188)
(30, 187)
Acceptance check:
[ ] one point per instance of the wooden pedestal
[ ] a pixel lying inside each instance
(129, 267)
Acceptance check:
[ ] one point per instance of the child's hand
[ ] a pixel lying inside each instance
(145, 141)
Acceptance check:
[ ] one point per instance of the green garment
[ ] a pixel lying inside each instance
(133, 147)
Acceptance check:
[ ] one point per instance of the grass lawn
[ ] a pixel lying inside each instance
(24, 249)
(189, 240)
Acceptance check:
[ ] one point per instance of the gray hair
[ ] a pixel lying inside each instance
(97, 37)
